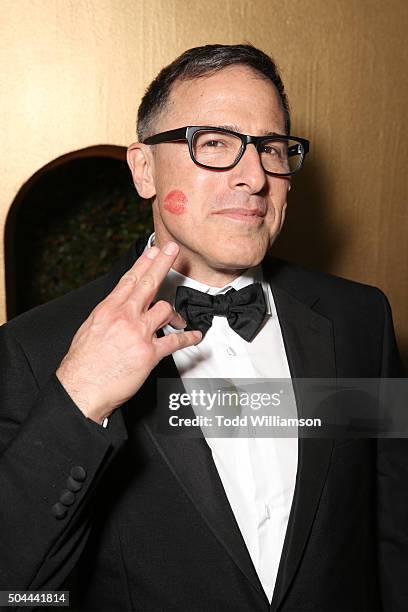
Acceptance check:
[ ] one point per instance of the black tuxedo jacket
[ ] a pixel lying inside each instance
(146, 525)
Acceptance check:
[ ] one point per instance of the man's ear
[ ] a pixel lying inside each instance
(140, 161)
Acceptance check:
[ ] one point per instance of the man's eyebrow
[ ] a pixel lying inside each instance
(232, 127)
(236, 128)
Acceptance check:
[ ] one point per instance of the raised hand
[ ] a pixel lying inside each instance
(116, 347)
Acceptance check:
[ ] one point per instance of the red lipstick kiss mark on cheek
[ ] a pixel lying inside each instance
(175, 202)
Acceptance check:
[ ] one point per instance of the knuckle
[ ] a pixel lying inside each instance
(129, 278)
(147, 281)
(99, 312)
(165, 307)
(179, 340)
(121, 318)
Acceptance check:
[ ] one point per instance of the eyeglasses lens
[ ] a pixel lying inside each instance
(281, 156)
(220, 150)
(216, 149)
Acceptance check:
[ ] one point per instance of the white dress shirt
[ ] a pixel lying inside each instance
(258, 473)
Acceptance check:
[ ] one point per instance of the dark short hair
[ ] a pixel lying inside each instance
(199, 62)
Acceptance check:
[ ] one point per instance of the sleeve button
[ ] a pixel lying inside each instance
(78, 473)
(73, 485)
(67, 498)
(59, 511)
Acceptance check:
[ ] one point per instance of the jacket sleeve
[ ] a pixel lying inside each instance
(51, 460)
(392, 482)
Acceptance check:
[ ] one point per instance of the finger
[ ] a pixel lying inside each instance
(175, 341)
(131, 278)
(149, 283)
(163, 313)
(177, 321)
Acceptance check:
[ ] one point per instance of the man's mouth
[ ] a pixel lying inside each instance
(242, 214)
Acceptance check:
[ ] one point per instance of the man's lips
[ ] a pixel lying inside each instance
(239, 213)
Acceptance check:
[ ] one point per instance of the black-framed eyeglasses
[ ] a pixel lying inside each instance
(220, 149)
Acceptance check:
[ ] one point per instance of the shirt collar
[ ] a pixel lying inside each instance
(175, 279)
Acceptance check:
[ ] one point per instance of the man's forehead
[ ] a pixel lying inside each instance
(222, 99)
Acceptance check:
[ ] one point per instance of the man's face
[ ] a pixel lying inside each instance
(205, 211)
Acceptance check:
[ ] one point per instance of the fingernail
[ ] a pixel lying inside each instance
(152, 252)
(198, 334)
(171, 248)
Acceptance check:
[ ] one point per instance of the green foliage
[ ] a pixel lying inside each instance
(75, 223)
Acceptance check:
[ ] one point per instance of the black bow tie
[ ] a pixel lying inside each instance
(245, 309)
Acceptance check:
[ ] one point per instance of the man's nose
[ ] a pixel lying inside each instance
(248, 173)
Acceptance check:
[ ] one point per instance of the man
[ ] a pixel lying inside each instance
(95, 498)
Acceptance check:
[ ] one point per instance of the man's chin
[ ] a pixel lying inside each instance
(239, 261)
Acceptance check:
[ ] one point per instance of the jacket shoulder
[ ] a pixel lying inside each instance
(62, 312)
(335, 292)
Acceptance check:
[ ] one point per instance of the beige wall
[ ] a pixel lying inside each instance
(73, 73)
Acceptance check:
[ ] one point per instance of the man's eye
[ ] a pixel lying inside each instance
(272, 151)
(213, 143)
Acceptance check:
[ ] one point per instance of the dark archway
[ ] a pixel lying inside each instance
(69, 223)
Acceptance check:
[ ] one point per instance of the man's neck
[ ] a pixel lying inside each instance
(205, 275)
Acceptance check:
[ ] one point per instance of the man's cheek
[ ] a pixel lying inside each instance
(176, 202)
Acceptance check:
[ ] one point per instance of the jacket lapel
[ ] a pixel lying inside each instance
(201, 483)
(308, 339)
